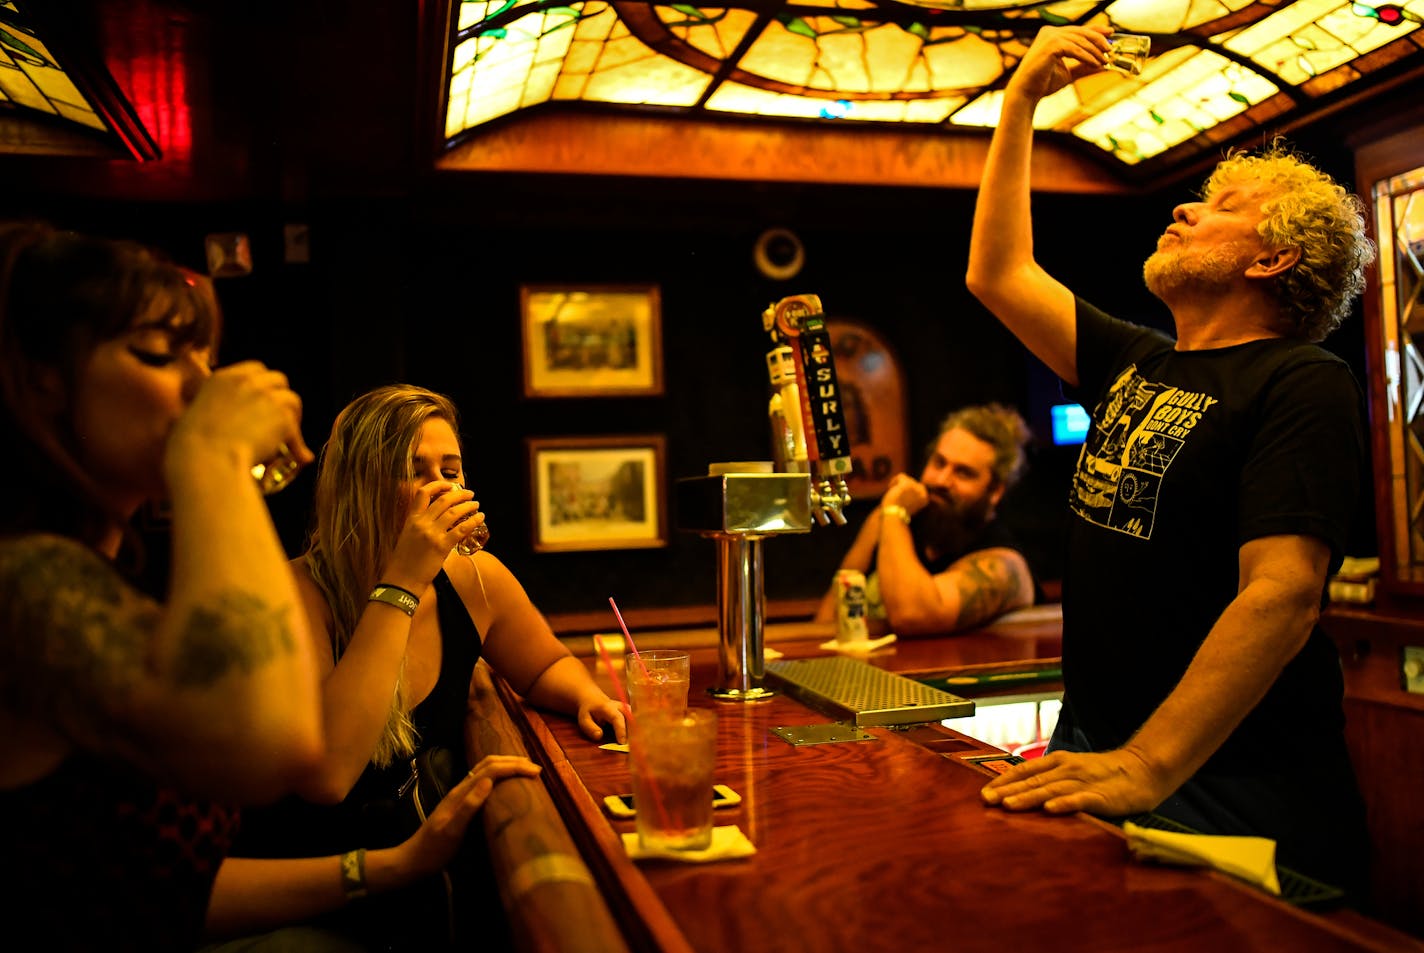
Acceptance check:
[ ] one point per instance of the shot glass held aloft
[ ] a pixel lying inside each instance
(1127, 53)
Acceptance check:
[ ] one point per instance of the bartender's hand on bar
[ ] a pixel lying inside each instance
(1108, 784)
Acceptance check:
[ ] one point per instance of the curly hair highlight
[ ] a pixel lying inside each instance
(1306, 209)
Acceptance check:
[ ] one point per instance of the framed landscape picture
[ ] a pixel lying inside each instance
(597, 492)
(592, 340)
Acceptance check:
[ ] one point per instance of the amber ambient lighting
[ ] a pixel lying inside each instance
(1219, 68)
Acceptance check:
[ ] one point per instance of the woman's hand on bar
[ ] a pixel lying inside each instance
(602, 709)
(439, 838)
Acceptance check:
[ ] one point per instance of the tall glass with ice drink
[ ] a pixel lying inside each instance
(657, 680)
(671, 760)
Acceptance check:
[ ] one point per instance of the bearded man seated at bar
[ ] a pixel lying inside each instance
(936, 556)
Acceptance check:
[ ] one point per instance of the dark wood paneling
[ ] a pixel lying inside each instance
(1384, 726)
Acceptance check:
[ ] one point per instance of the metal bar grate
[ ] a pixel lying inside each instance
(855, 691)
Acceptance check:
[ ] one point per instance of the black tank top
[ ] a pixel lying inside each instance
(296, 828)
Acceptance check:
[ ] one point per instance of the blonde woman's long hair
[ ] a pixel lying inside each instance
(361, 504)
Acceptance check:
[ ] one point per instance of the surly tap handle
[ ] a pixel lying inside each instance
(800, 323)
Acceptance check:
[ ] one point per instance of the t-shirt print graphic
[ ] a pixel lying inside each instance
(1138, 429)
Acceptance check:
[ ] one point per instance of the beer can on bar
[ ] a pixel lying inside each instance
(850, 606)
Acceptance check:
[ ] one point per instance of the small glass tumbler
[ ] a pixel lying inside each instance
(1127, 53)
(476, 541)
(277, 473)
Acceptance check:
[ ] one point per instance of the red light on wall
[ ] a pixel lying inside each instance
(145, 54)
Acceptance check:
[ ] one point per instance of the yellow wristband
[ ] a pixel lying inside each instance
(897, 511)
(353, 873)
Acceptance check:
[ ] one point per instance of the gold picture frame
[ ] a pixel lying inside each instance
(592, 340)
(592, 493)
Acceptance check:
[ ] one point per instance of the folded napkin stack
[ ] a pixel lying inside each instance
(1252, 859)
(728, 843)
(859, 647)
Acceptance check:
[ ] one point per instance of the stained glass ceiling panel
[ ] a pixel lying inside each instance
(31, 77)
(1218, 70)
(40, 84)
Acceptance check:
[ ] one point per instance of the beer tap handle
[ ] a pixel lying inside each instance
(808, 420)
(785, 413)
(818, 507)
(831, 503)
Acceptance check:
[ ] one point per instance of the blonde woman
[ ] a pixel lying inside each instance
(400, 617)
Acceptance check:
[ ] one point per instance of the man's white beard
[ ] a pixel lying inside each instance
(1172, 270)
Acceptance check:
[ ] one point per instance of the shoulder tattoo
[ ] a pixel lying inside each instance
(74, 632)
(988, 587)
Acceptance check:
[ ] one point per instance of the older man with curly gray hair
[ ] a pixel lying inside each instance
(1210, 502)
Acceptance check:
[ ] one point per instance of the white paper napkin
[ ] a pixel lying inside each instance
(860, 647)
(1252, 859)
(728, 843)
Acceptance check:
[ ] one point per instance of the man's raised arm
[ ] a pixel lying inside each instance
(1002, 271)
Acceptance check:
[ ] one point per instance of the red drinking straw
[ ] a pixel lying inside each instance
(628, 707)
(628, 636)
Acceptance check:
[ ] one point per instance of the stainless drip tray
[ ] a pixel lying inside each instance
(854, 691)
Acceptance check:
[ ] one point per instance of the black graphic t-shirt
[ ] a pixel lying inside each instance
(1190, 455)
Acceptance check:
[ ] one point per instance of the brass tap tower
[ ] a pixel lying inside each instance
(739, 505)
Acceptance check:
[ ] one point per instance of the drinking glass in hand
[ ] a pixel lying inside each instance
(476, 541)
(1127, 52)
(277, 473)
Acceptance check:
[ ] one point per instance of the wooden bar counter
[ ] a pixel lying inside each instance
(885, 845)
